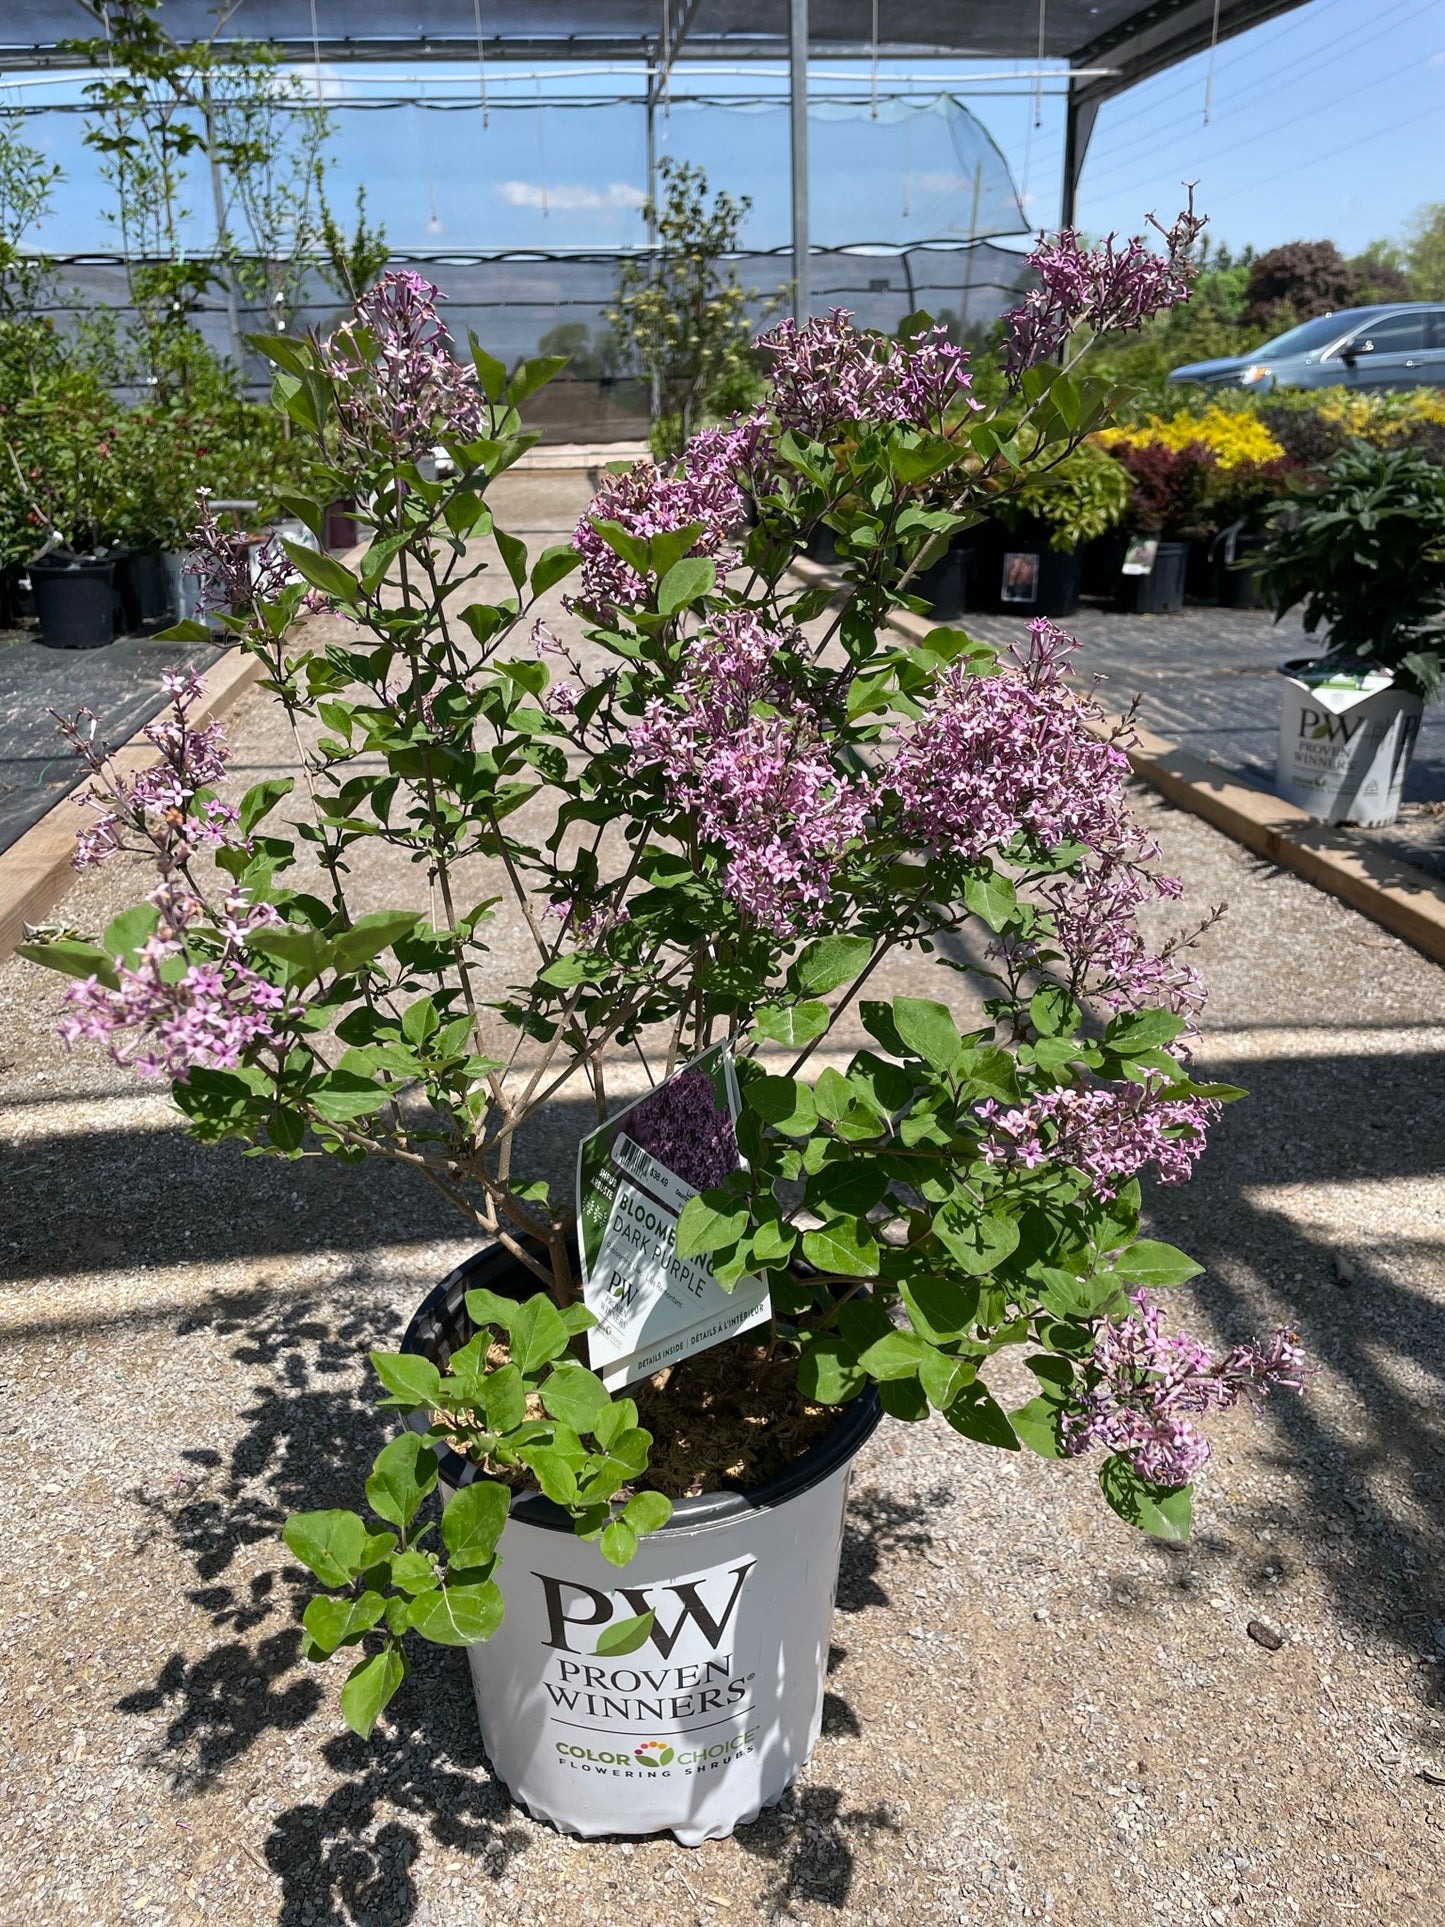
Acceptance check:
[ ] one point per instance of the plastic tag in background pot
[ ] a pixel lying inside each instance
(634, 1176)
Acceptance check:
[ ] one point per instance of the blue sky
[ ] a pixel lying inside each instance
(1325, 123)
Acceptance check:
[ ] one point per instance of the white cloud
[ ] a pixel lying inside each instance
(568, 196)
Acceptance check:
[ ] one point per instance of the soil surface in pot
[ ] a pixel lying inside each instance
(726, 1419)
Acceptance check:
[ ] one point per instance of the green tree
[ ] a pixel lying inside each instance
(26, 183)
(1425, 252)
(682, 314)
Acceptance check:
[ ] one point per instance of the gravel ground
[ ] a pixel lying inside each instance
(1033, 1714)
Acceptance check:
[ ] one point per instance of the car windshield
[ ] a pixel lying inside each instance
(1306, 338)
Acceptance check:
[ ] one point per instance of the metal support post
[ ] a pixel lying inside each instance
(798, 91)
(1079, 119)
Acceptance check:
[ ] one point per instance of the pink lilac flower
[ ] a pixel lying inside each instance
(165, 1023)
(828, 375)
(646, 502)
(234, 571)
(994, 755)
(1094, 913)
(761, 786)
(1148, 1389)
(1109, 1134)
(1102, 289)
(682, 1126)
(157, 806)
(399, 390)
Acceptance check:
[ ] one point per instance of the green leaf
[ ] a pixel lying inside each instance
(977, 1240)
(618, 1543)
(330, 1544)
(903, 1398)
(703, 1226)
(261, 799)
(514, 555)
(928, 1030)
(790, 1024)
(685, 581)
(845, 1246)
(554, 1473)
(491, 373)
(126, 934)
(553, 565)
(370, 1686)
(1142, 1030)
(1037, 1424)
(992, 897)
(978, 1415)
(1054, 1012)
(504, 1399)
(940, 1308)
(457, 1615)
(306, 953)
(538, 1333)
(669, 546)
(403, 1474)
(413, 1572)
(323, 571)
(408, 1377)
(624, 1636)
(829, 962)
(648, 1512)
(851, 1186)
(529, 376)
(74, 959)
(899, 1355)
(632, 548)
(575, 1395)
(944, 1378)
(1164, 1511)
(331, 1622)
(370, 935)
(1156, 1266)
(473, 1520)
(828, 1371)
(784, 1103)
(488, 1307)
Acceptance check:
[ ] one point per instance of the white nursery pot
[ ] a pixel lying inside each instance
(714, 1716)
(185, 588)
(1345, 742)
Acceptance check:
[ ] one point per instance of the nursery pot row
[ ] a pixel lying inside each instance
(82, 600)
(715, 1715)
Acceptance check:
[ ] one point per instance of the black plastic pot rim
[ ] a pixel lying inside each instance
(857, 1421)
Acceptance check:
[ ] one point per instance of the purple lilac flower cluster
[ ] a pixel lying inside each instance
(996, 754)
(156, 805)
(165, 1024)
(828, 376)
(1148, 1389)
(410, 391)
(706, 488)
(761, 785)
(1104, 288)
(234, 570)
(681, 1125)
(1094, 912)
(1108, 1134)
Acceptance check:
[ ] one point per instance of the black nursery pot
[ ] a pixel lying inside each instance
(75, 600)
(945, 583)
(1161, 592)
(1027, 577)
(145, 590)
(698, 1723)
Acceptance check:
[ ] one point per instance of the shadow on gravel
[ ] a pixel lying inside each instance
(809, 1839)
(1374, 1520)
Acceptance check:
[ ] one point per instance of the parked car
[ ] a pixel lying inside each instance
(1398, 345)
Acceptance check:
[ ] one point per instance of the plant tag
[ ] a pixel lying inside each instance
(634, 1176)
(1140, 555)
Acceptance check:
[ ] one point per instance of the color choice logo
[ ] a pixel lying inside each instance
(654, 1753)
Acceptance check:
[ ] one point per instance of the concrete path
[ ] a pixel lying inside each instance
(1033, 1714)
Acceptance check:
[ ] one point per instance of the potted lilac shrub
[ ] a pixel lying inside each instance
(716, 809)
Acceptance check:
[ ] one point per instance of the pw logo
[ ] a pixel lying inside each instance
(571, 1605)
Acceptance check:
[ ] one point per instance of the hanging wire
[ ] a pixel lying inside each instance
(874, 61)
(481, 64)
(1039, 84)
(316, 51)
(1209, 77)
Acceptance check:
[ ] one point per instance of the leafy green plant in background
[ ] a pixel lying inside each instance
(681, 314)
(716, 826)
(1084, 495)
(1364, 554)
